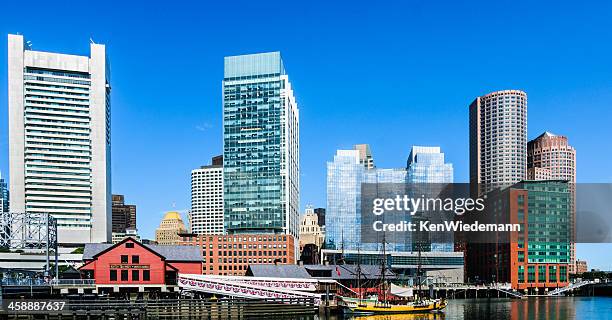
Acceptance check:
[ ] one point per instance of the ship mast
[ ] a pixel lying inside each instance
(383, 271)
(359, 293)
(419, 270)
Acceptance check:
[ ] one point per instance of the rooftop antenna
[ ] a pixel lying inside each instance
(91, 40)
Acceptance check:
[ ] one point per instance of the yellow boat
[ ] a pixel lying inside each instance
(404, 316)
(377, 307)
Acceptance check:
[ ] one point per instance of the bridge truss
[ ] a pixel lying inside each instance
(30, 231)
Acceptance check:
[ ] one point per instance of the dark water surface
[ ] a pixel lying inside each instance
(559, 308)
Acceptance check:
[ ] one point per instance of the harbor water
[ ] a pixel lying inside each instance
(558, 308)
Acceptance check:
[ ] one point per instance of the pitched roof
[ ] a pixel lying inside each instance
(546, 134)
(171, 253)
(278, 271)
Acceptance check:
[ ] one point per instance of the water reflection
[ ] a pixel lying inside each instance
(403, 316)
(560, 308)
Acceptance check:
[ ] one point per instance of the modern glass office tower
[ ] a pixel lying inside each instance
(60, 139)
(260, 146)
(427, 168)
(426, 165)
(343, 215)
(345, 174)
(498, 140)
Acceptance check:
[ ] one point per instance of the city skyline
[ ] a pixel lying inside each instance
(318, 116)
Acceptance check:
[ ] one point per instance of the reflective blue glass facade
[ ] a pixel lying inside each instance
(345, 174)
(342, 218)
(426, 165)
(260, 146)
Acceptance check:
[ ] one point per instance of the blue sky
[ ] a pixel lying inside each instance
(391, 74)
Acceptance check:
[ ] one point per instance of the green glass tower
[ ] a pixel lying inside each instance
(260, 146)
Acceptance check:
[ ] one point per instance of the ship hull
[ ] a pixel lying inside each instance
(370, 307)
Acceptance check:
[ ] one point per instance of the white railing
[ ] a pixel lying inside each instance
(572, 286)
(72, 282)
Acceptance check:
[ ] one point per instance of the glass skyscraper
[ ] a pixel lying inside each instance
(427, 168)
(342, 218)
(260, 146)
(426, 165)
(345, 174)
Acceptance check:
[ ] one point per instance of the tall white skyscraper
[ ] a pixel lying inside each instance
(207, 199)
(60, 139)
(498, 140)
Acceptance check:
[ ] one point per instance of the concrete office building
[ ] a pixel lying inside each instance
(60, 138)
(128, 233)
(498, 140)
(124, 215)
(169, 229)
(365, 155)
(550, 157)
(539, 174)
(581, 266)
(320, 212)
(310, 230)
(553, 153)
(260, 146)
(207, 199)
(4, 195)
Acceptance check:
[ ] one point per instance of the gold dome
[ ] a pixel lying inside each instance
(172, 215)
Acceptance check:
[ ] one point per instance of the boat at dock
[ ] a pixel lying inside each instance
(390, 298)
(379, 307)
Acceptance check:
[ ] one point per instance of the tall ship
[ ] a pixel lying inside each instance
(390, 298)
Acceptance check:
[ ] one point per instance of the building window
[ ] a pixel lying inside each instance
(124, 275)
(135, 275)
(146, 275)
(113, 275)
(135, 259)
(124, 259)
(129, 244)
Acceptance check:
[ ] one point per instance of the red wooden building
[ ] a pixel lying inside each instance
(130, 264)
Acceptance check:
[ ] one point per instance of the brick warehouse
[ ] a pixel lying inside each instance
(232, 254)
(132, 266)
